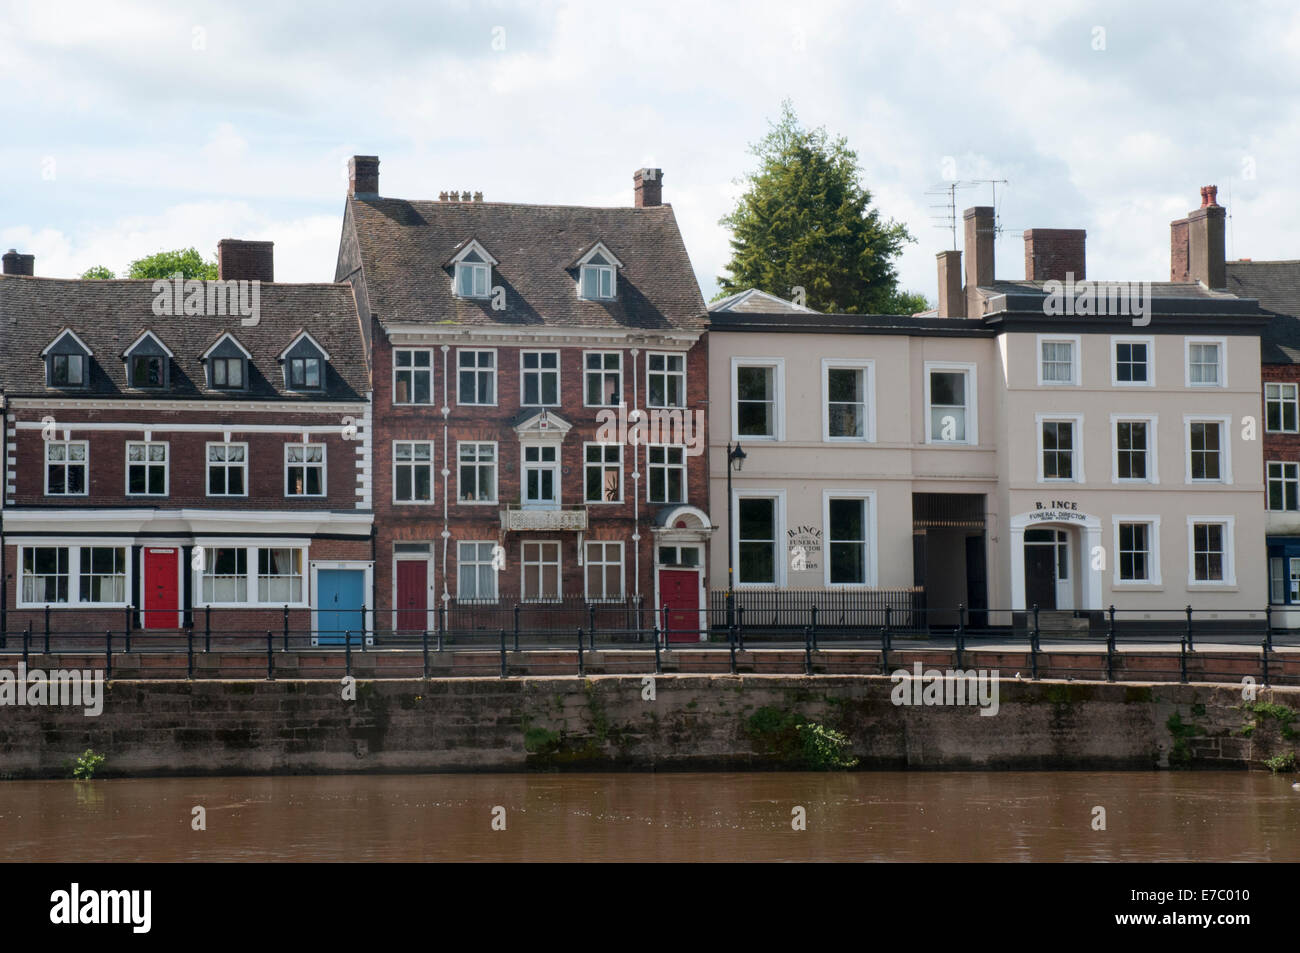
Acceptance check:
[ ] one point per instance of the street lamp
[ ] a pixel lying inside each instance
(735, 460)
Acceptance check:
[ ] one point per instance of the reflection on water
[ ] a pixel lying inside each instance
(671, 817)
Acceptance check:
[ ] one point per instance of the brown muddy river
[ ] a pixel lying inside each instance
(868, 816)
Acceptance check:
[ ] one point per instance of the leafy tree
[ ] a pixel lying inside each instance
(164, 264)
(908, 302)
(806, 221)
(98, 272)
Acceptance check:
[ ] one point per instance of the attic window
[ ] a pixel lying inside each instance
(227, 363)
(146, 370)
(597, 278)
(304, 373)
(67, 362)
(473, 276)
(147, 362)
(304, 364)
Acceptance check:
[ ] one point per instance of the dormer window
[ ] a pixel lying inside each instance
(597, 274)
(304, 364)
(67, 362)
(473, 271)
(147, 362)
(227, 363)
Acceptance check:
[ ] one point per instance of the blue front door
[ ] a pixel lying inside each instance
(340, 596)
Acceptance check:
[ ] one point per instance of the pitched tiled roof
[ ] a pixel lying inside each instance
(1276, 286)
(758, 302)
(109, 315)
(404, 246)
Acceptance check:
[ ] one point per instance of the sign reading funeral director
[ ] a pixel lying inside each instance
(1054, 511)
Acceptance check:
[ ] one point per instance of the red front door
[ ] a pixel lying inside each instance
(679, 590)
(161, 592)
(412, 595)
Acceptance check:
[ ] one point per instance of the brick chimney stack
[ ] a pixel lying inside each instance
(979, 228)
(363, 177)
(16, 264)
(647, 187)
(1052, 253)
(952, 300)
(1197, 246)
(239, 260)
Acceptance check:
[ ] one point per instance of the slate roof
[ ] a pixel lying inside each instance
(404, 245)
(1276, 285)
(758, 302)
(109, 315)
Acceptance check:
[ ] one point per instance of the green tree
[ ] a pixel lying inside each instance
(806, 221)
(164, 264)
(98, 272)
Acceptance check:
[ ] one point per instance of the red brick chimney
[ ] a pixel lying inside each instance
(1197, 247)
(239, 260)
(1052, 253)
(16, 264)
(363, 177)
(980, 223)
(647, 187)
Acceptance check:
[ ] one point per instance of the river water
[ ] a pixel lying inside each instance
(891, 816)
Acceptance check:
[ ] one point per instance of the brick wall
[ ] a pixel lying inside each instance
(1280, 446)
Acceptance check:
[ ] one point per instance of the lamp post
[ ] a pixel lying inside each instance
(736, 461)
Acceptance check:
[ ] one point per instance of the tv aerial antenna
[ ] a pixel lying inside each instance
(948, 220)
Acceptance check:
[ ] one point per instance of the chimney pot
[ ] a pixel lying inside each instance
(363, 177)
(464, 196)
(647, 187)
(980, 224)
(1197, 247)
(239, 260)
(478, 196)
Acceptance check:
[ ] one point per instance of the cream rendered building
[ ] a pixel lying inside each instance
(1016, 459)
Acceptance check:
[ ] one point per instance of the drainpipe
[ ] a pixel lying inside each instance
(4, 493)
(636, 496)
(446, 469)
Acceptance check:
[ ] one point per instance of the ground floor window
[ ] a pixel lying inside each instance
(1284, 571)
(477, 572)
(252, 575)
(541, 572)
(756, 549)
(604, 571)
(685, 557)
(1135, 552)
(72, 575)
(846, 531)
(1211, 551)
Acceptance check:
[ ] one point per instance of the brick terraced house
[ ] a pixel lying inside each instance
(507, 342)
(161, 464)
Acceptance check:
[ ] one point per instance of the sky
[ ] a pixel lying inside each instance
(131, 127)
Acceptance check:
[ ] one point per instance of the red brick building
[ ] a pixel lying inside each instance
(502, 337)
(171, 449)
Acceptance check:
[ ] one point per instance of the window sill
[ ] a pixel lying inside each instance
(1138, 586)
(478, 502)
(1213, 586)
(68, 605)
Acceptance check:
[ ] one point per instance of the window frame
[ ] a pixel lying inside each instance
(252, 573)
(555, 467)
(85, 465)
(1294, 401)
(1268, 488)
(477, 563)
(207, 466)
(148, 465)
(75, 572)
(412, 464)
(1153, 579)
(600, 271)
(667, 375)
(1222, 343)
(602, 373)
(524, 563)
(1153, 458)
(868, 369)
(473, 268)
(1225, 447)
(971, 371)
(667, 467)
(780, 562)
(1229, 580)
(413, 369)
(1076, 364)
(604, 465)
(1115, 341)
(324, 472)
(477, 371)
(868, 498)
(1076, 450)
(477, 464)
(777, 364)
(587, 563)
(225, 360)
(539, 370)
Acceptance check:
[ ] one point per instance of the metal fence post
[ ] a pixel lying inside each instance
(807, 651)
(27, 638)
(286, 628)
(659, 666)
(347, 652)
(1264, 648)
(884, 643)
(126, 637)
(503, 653)
(47, 628)
(108, 653)
(442, 623)
(1110, 645)
(740, 627)
(424, 645)
(581, 669)
(189, 652)
(1182, 659)
(516, 627)
(1268, 626)
(731, 645)
(814, 626)
(207, 628)
(1033, 647)
(664, 627)
(961, 633)
(128, 618)
(1191, 646)
(363, 627)
(591, 625)
(270, 663)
